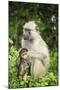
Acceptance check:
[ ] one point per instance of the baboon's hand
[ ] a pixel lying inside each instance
(36, 54)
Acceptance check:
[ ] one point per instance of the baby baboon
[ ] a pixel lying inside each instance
(24, 63)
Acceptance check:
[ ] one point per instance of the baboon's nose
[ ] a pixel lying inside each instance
(26, 37)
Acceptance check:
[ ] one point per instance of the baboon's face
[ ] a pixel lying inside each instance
(29, 31)
(27, 34)
(24, 55)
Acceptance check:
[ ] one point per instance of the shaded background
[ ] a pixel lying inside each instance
(45, 15)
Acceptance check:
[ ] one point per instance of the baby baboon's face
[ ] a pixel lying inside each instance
(24, 53)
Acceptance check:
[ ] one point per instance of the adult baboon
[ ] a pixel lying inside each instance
(37, 48)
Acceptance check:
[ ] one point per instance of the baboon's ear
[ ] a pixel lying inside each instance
(37, 28)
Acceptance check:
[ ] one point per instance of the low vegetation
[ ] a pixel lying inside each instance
(50, 79)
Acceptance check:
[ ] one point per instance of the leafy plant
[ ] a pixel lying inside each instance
(51, 78)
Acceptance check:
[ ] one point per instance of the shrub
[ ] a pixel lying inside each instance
(51, 78)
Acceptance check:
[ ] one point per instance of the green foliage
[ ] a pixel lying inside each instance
(54, 61)
(51, 78)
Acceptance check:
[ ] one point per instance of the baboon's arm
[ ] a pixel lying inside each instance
(36, 54)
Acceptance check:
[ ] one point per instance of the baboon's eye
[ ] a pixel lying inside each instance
(27, 29)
